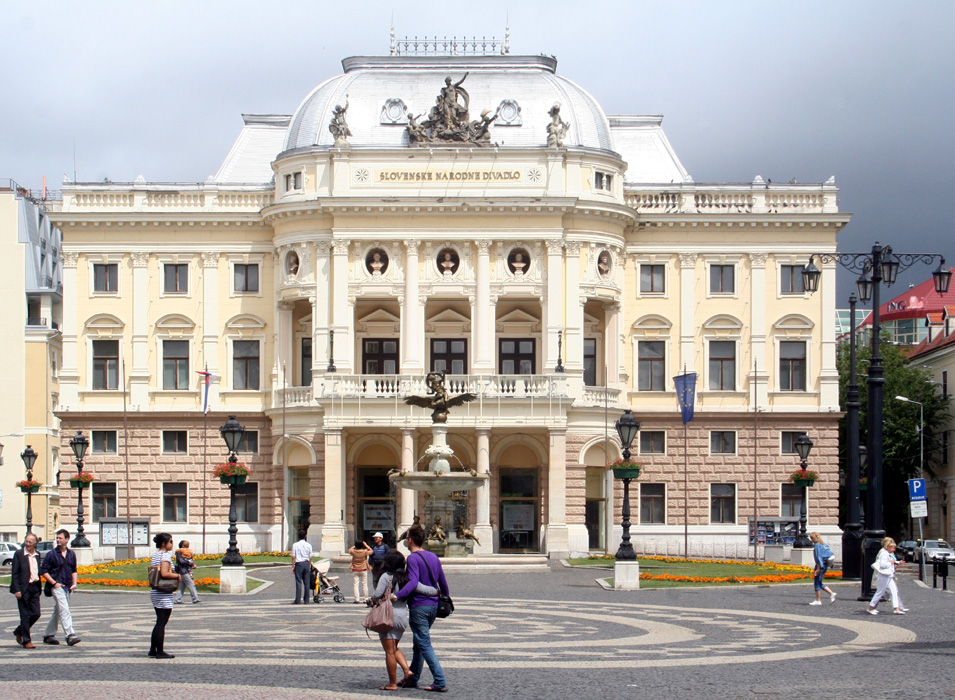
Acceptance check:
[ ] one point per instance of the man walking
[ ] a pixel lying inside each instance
(25, 585)
(59, 570)
(425, 567)
(378, 551)
(301, 566)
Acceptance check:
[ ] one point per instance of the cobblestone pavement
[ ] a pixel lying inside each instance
(551, 636)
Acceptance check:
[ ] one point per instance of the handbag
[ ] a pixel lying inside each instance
(381, 617)
(158, 583)
(445, 604)
(48, 589)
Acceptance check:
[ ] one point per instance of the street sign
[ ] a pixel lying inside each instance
(919, 509)
(917, 490)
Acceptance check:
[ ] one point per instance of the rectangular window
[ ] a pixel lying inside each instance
(449, 355)
(598, 180)
(790, 501)
(722, 365)
(650, 365)
(175, 364)
(590, 362)
(790, 279)
(792, 365)
(722, 279)
(722, 442)
(175, 442)
(723, 503)
(517, 356)
(175, 278)
(652, 279)
(944, 383)
(380, 355)
(246, 277)
(174, 503)
(945, 447)
(247, 503)
(249, 442)
(245, 364)
(787, 441)
(652, 442)
(104, 500)
(306, 361)
(104, 442)
(106, 277)
(105, 364)
(652, 503)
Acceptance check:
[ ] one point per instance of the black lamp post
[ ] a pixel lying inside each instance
(852, 532)
(803, 448)
(29, 459)
(232, 433)
(559, 367)
(331, 352)
(79, 445)
(627, 427)
(879, 266)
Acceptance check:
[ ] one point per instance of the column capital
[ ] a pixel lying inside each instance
(556, 247)
(573, 247)
(322, 246)
(483, 246)
(210, 258)
(69, 258)
(411, 245)
(688, 260)
(140, 259)
(340, 247)
(758, 259)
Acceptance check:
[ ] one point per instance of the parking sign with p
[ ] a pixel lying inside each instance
(917, 490)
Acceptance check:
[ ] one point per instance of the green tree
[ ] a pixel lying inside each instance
(900, 457)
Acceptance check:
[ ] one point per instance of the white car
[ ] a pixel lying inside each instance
(7, 550)
(935, 549)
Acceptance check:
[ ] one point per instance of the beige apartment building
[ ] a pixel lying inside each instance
(558, 262)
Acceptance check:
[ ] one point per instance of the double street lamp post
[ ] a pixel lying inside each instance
(627, 427)
(29, 459)
(79, 445)
(232, 433)
(803, 448)
(879, 266)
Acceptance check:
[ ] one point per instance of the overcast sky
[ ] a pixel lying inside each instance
(860, 89)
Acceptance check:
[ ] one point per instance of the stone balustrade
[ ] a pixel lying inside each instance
(211, 198)
(755, 198)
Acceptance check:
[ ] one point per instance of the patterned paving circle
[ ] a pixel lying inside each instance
(483, 633)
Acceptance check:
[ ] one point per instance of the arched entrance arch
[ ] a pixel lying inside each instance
(519, 475)
(373, 457)
(598, 500)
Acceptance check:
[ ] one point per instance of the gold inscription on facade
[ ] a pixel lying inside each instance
(424, 176)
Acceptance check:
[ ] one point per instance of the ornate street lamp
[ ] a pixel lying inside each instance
(852, 532)
(879, 266)
(29, 459)
(559, 367)
(803, 448)
(627, 427)
(232, 433)
(79, 444)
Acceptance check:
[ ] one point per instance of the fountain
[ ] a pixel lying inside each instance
(439, 481)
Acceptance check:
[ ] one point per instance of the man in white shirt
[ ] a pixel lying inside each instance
(301, 565)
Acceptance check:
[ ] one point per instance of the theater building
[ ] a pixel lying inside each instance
(478, 215)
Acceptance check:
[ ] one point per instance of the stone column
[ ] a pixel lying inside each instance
(140, 374)
(343, 320)
(284, 361)
(320, 315)
(482, 528)
(553, 303)
(406, 497)
(482, 326)
(412, 346)
(574, 336)
(557, 539)
(612, 343)
(826, 334)
(687, 306)
(69, 375)
(757, 329)
(333, 527)
(210, 322)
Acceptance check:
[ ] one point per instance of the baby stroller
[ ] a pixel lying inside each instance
(323, 584)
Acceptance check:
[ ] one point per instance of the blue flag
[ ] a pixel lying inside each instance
(686, 394)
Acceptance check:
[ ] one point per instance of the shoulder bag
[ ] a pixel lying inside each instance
(158, 583)
(381, 617)
(445, 604)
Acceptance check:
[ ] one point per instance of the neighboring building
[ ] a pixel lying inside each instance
(347, 238)
(938, 357)
(31, 284)
(909, 318)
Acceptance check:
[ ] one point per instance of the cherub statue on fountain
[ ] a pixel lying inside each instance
(440, 402)
(416, 523)
(436, 533)
(464, 533)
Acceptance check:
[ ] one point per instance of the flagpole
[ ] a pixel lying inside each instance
(129, 532)
(755, 462)
(284, 459)
(205, 453)
(686, 489)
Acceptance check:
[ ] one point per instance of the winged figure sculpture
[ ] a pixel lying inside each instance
(438, 400)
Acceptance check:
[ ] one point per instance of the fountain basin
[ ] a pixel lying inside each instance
(438, 482)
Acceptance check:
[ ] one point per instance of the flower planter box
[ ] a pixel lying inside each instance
(804, 482)
(78, 484)
(30, 489)
(626, 473)
(863, 487)
(236, 479)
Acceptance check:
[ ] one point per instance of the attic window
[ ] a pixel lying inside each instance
(293, 181)
(603, 181)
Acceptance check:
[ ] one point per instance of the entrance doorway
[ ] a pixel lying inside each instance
(595, 513)
(518, 510)
(376, 505)
(299, 509)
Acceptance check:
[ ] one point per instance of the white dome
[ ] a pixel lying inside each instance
(371, 83)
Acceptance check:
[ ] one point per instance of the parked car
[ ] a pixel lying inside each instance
(45, 545)
(935, 549)
(7, 550)
(906, 550)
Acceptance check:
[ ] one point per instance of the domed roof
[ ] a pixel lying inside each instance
(520, 89)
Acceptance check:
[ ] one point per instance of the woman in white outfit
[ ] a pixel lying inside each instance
(885, 568)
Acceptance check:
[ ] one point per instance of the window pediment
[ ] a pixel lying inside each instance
(793, 325)
(723, 325)
(449, 321)
(379, 321)
(651, 325)
(518, 321)
(104, 324)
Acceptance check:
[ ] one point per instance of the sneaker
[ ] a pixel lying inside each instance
(873, 611)
(177, 602)
(51, 640)
(816, 602)
(73, 640)
(904, 609)
(898, 612)
(832, 598)
(196, 601)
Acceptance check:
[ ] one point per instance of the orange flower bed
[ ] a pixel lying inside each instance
(768, 578)
(132, 583)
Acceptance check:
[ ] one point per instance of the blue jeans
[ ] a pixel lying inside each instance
(420, 621)
(817, 582)
(302, 576)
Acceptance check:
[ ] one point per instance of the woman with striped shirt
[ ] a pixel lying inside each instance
(162, 602)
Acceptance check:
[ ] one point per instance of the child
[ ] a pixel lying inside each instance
(184, 567)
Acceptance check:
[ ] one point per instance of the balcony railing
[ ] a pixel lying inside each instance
(36, 322)
(483, 386)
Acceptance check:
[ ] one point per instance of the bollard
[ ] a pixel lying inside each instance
(943, 572)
